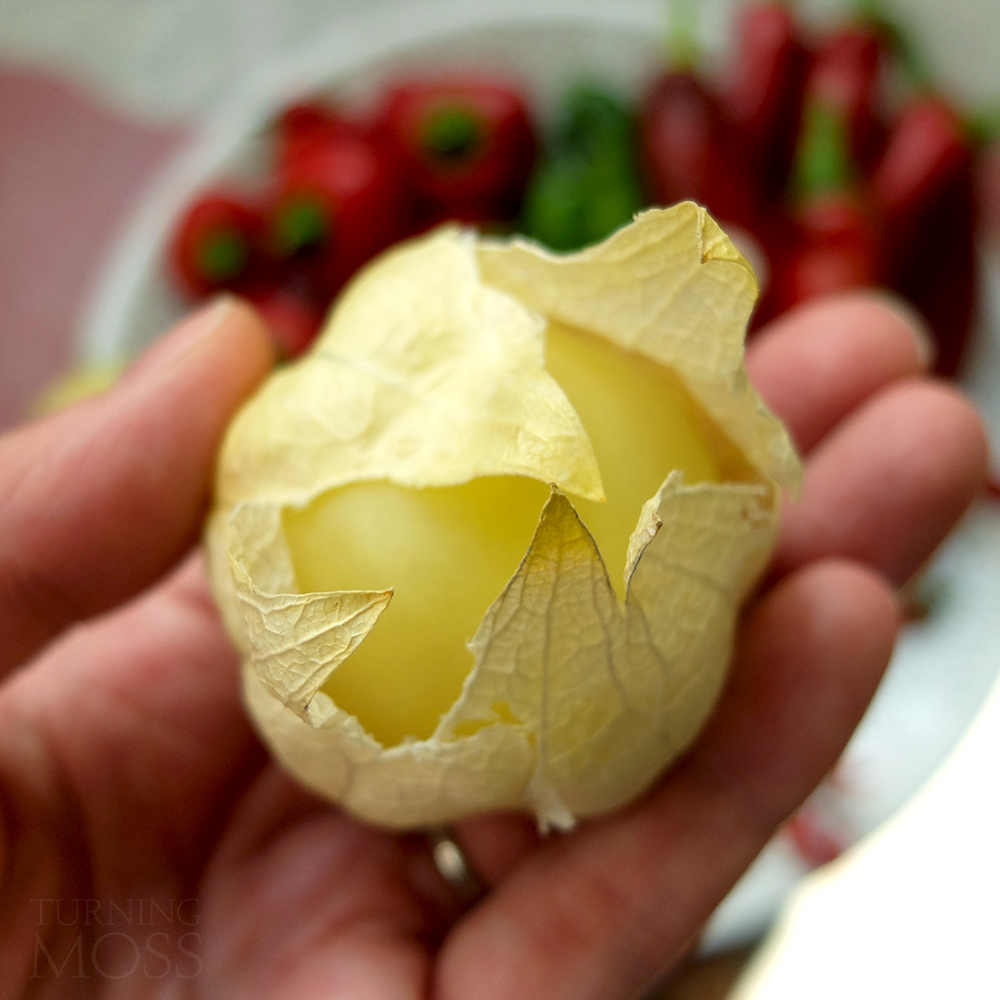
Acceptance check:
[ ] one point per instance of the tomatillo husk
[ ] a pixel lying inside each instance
(425, 413)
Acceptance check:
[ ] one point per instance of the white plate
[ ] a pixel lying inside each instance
(943, 667)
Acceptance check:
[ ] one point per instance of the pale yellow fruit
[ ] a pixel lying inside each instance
(409, 526)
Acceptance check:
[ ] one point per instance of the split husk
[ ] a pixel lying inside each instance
(430, 373)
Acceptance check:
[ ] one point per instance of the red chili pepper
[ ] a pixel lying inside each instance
(305, 117)
(829, 243)
(217, 245)
(482, 217)
(946, 296)
(459, 141)
(833, 249)
(761, 94)
(292, 316)
(845, 77)
(337, 204)
(688, 150)
(300, 127)
(924, 189)
(926, 158)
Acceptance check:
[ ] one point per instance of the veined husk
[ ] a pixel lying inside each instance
(430, 372)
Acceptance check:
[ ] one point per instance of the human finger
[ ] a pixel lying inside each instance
(304, 902)
(817, 363)
(890, 483)
(141, 709)
(607, 910)
(814, 366)
(100, 500)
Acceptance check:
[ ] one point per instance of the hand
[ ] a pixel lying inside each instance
(148, 847)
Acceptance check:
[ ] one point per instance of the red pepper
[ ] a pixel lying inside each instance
(926, 158)
(337, 204)
(688, 150)
(945, 293)
(924, 188)
(482, 217)
(308, 117)
(218, 245)
(833, 249)
(829, 244)
(460, 142)
(761, 94)
(845, 77)
(292, 316)
(300, 127)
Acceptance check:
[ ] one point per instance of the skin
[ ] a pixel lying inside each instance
(128, 770)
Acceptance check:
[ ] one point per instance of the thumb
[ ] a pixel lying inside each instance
(100, 500)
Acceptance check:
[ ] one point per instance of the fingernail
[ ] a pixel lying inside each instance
(922, 337)
(174, 349)
(917, 327)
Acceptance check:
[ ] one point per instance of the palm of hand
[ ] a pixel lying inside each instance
(186, 842)
(134, 786)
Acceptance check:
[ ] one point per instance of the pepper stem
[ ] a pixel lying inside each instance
(822, 162)
(299, 224)
(452, 133)
(682, 41)
(223, 254)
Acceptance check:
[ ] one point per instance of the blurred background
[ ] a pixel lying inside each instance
(113, 120)
(98, 96)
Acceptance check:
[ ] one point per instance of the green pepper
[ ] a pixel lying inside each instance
(587, 183)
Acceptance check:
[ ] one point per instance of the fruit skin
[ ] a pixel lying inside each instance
(218, 245)
(336, 204)
(463, 143)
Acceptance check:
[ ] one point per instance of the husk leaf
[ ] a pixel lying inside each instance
(430, 373)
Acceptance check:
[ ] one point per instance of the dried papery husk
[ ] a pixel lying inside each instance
(431, 373)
